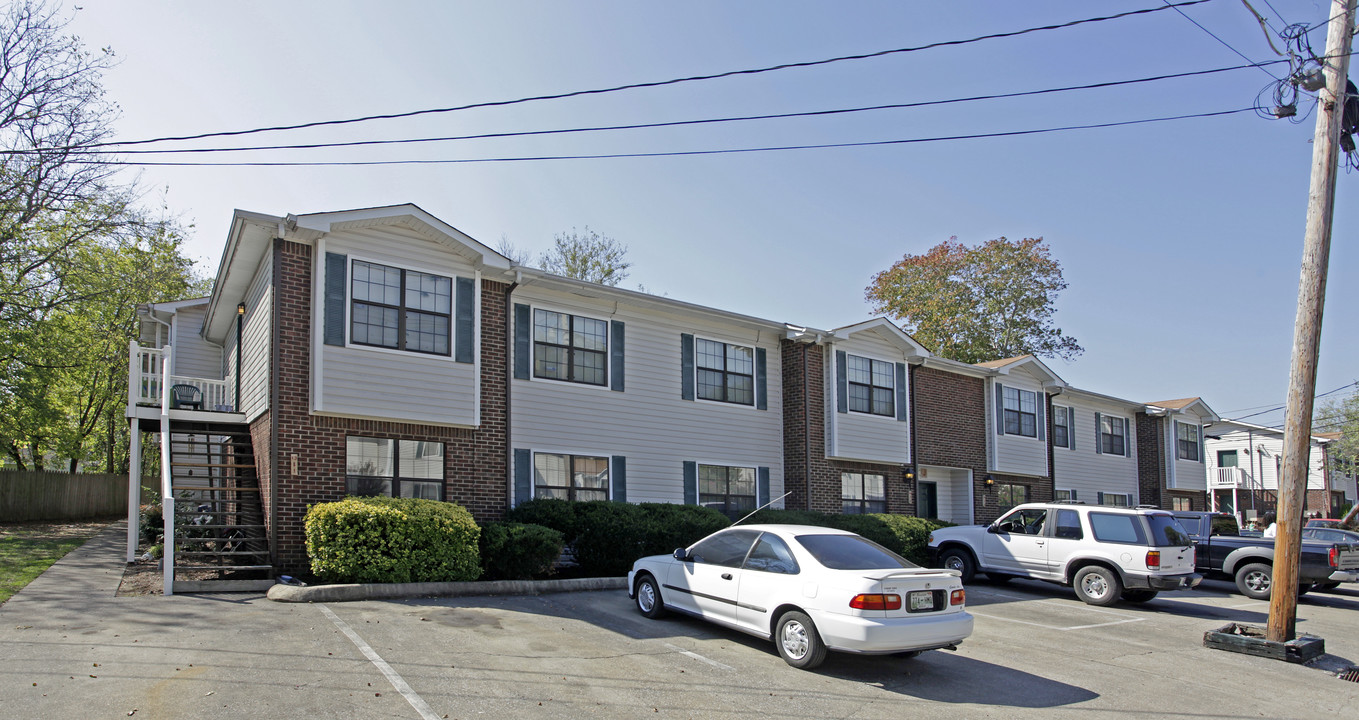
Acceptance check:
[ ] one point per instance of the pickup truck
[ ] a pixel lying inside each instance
(1222, 551)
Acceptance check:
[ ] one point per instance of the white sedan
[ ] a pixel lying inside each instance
(810, 589)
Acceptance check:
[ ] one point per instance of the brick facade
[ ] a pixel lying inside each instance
(1151, 468)
(476, 461)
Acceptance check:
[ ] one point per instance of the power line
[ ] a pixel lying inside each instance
(673, 81)
(1277, 14)
(1281, 407)
(677, 153)
(674, 123)
(1215, 37)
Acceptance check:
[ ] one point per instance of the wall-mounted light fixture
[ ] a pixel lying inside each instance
(240, 309)
(990, 482)
(910, 474)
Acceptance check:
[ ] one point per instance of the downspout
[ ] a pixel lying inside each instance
(509, 385)
(807, 428)
(1250, 450)
(273, 404)
(240, 319)
(915, 449)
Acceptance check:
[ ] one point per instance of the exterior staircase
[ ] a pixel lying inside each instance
(220, 541)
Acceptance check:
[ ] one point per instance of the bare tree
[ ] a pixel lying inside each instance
(588, 256)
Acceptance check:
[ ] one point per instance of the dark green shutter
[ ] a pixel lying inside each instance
(616, 355)
(523, 476)
(1099, 439)
(523, 357)
(761, 381)
(690, 482)
(841, 382)
(902, 413)
(464, 341)
(1101, 499)
(618, 477)
(1040, 405)
(1073, 495)
(336, 267)
(1127, 437)
(762, 486)
(1000, 409)
(686, 366)
(1071, 431)
(1203, 453)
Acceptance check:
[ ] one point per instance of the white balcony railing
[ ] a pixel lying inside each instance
(146, 381)
(1232, 477)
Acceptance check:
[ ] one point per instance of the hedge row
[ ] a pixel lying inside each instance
(392, 540)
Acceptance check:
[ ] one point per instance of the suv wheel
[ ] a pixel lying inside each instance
(1097, 585)
(960, 560)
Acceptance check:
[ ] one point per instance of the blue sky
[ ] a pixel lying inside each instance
(1181, 240)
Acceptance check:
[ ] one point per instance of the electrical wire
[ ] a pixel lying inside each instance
(1277, 14)
(1215, 37)
(1314, 397)
(673, 123)
(677, 153)
(660, 83)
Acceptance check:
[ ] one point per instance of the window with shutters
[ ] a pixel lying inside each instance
(570, 477)
(730, 490)
(572, 348)
(1061, 426)
(1112, 435)
(400, 309)
(871, 386)
(394, 468)
(1188, 442)
(1021, 412)
(725, 372)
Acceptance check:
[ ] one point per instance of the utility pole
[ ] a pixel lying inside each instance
(1283, 602)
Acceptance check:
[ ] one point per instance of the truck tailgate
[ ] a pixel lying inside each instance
(1348, 556)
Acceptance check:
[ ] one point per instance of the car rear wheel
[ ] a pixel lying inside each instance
(798, 642)
(1097, 585)
(960, 560)
(1326, 586)
(1138, 596)
(1254, 580)
(649, 597)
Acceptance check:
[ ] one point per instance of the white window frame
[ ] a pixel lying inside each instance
(754, 374)
(1180, 427)
(1127, 499)
(349, 344)
(570, 486)
(533, 347)
(892, 389)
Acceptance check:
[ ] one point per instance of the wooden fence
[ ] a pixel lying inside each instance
(30, 495)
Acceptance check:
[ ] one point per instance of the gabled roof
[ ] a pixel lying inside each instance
(1029, 362)
(1190, 405)
(888, 331)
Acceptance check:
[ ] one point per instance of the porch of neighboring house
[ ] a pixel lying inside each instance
(1235, 491)
(215, 537)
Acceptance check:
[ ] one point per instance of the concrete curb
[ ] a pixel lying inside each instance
(388, 591)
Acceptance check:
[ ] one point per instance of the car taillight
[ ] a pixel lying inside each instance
(876, 601)
(957, 597)
(1335, 556)
(1153, 559)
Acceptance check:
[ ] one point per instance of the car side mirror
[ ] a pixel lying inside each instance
(681, 554)
(993, 529)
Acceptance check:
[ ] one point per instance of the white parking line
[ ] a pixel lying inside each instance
(395, 679)
(1055, 627)
(698, 657)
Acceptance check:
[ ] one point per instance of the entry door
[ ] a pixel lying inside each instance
(927, 500)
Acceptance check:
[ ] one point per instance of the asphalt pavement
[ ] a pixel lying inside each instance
(71, 649)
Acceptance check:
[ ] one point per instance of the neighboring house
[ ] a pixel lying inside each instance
(1342, 473)
(383, 352)
(1171, 467)
(1094, 451)
(1245, 464)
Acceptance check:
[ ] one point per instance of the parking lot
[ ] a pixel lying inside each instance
(72, 650)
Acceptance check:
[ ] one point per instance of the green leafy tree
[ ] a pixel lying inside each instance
(1341, 417)
(587, 256)
(975, 304)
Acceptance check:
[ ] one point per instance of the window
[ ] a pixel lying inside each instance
(771, 554)
(569, 347)
(730, 490)
(871, 386)
(727, 549)
(1009, 495)
(1112, 432)
(862, 493)
(394, 468)
(1109, 527)
(851, 552)
(1181, 503)
(400, 309)
(1021, 408)
(1061, 426)
(1114, 499)
(1069, 525)
(570, 477)
(1064, 495)
(1226, 458)
(726, 373)
(1188, 441)
(1166, 530)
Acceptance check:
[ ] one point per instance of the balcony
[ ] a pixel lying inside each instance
(1232, 478)
(147, 381)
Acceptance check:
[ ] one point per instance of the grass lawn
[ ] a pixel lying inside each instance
(27, 549)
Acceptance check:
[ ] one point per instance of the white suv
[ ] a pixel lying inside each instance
(1105, 553)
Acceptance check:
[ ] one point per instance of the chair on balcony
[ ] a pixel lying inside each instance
(186, 396)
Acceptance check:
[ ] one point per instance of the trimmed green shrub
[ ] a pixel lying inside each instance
(391, 540)
(674, 526)
(560, 515)
(518, 551)
(911, 535)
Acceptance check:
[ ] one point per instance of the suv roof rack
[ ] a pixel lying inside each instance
(1068, 502)
(1145, 506)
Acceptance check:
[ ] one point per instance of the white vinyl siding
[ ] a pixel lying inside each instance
(863, 436)
(192, 355)
(649, 423)
(1084, 470)
(1018, 454)
(1186, 474)
(362, 381)
(1254, 463)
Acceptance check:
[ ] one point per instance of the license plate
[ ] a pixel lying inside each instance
(922, 600)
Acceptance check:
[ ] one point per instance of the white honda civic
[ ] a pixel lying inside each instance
(810, 589)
